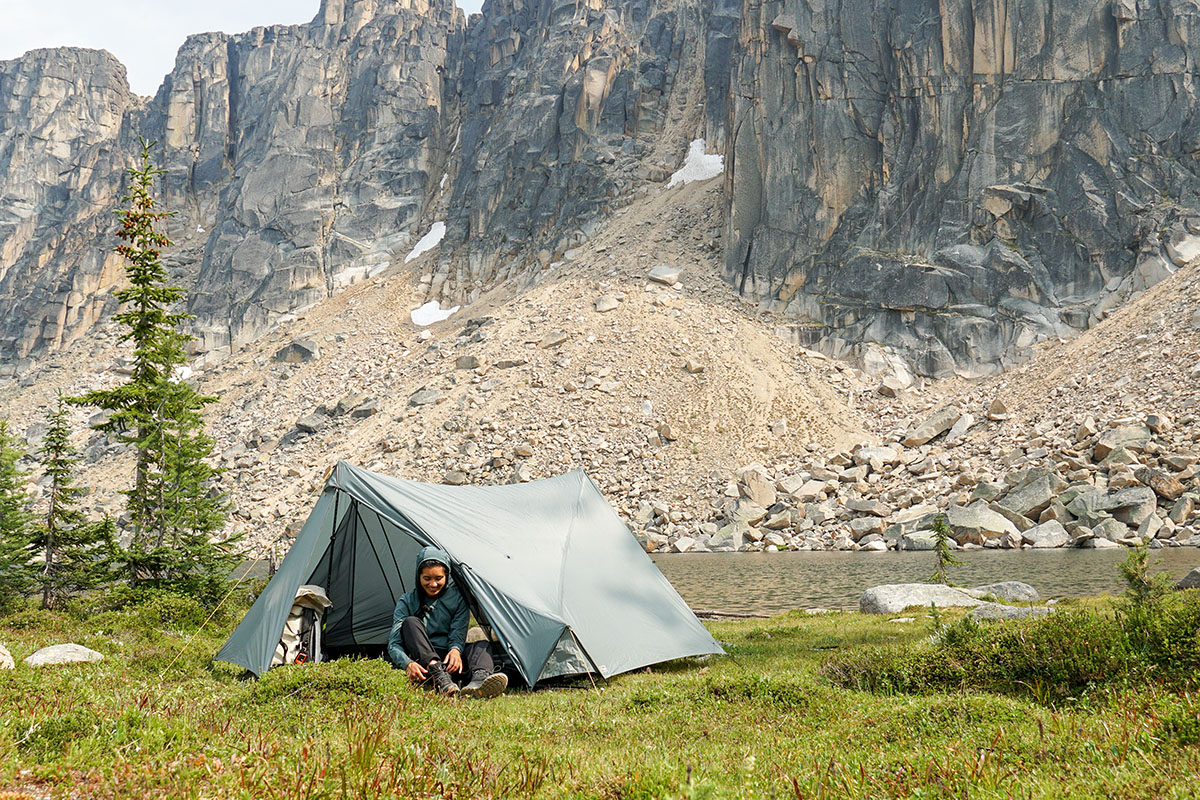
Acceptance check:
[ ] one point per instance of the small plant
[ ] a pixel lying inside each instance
(942, 552)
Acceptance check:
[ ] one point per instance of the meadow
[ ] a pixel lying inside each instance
(839, 705)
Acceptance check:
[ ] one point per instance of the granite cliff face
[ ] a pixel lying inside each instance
(946, 182)
(958, 179)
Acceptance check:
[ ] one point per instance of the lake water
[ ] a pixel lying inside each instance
(771, 583)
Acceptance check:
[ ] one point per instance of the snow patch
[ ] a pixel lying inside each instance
(428, 241)
(430, 313)
(698, 166)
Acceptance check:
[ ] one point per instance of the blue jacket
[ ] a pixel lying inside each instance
(445, 620)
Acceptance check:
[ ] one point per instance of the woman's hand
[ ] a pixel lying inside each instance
(416, 673)
(453, 661)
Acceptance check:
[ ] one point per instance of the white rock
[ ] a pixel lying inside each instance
(6, 659)
(62, 654)
(664, 273)
(892, 598)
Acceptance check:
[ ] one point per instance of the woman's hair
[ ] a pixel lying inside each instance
(430, 562)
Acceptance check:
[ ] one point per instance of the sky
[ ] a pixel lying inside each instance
(143, 34)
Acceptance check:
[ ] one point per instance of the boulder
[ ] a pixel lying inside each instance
(977, 523)
(605, 303)
(1112, 530)
(997, 411)
(1164, 485)
(6, 659)
(311, 423)
(70, 653)
(885, 456)
(467, 362)
(298, 351)
(683, 544)
(878, 546)
(1133, 505)
(999, 611)
(1132, 437)
(893, 598)
(665, 274)
(692, 366)
(1098, 543)
(757, 486)
(1182, 510)
(1190, 581)
(959, 430)
(917, 540)
(936, 424)
(554, 339)
(1009, 591)
(425, 397)
(1034, 494)
(1048, 534)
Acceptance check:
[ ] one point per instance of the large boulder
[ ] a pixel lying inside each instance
(1034, 494)
(936, 424)
(918, 540)
(1010, 591)
(70, 653)
(1049, 534)
(298, 351)
(976, 523)
(1163, 485)
(1131, 437)
(893, 598)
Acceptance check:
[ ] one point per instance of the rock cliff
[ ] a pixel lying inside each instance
(959, 179)
(944, 181)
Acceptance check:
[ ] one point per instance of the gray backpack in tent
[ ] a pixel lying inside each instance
(300, 640)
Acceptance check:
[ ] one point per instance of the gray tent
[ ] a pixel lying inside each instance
(554, 571)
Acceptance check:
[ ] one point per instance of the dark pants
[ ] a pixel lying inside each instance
(476, 656)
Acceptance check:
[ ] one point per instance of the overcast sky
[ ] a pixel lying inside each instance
(143, 34)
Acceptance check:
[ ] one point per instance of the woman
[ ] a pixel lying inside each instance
(429, 634)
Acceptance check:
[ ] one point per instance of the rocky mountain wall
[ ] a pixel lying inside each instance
(62, 113)
(938, 182)
(956, 180)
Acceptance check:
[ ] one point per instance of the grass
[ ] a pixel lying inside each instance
(781, 717)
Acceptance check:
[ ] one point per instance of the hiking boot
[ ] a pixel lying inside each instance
(442, 682)
(484, 686)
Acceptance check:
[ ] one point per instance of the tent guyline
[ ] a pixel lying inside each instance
(547, 565)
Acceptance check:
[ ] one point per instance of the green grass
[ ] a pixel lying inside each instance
(775, 719)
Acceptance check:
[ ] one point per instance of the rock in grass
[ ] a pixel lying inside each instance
(6, 659)
(893, 598)
(1010, 591)
(991, 611)
(70, 653)
(1190, 581)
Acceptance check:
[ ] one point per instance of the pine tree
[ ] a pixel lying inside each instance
(16, 574)
(173, 507)
(942, 552)
(76, 554)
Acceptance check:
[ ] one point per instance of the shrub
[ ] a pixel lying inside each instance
(49, 737)
(172, 611)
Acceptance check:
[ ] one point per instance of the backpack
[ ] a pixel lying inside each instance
(300, 640)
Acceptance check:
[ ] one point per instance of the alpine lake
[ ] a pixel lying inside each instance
(771, 583)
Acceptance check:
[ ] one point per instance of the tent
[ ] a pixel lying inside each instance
(557, 575)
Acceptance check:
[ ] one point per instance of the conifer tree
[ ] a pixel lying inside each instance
(16, 574)
(173, 508)
(76, 554)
